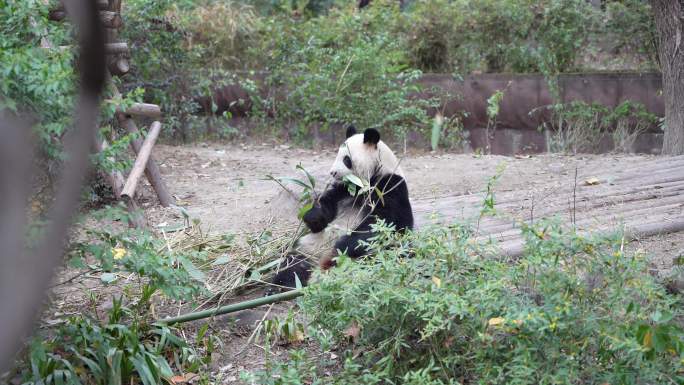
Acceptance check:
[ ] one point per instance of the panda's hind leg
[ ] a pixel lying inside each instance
(294, 266)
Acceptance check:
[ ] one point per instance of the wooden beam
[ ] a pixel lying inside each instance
(116, 48)
(144, 109)
(151, 169)
(141, 161)
(101, 4)
(109, 19)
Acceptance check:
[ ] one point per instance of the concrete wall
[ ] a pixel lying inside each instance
(522, 109)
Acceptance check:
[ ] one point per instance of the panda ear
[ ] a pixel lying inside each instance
(371, 136)
(351, 131)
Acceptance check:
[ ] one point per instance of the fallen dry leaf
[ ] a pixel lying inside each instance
(437, 281)
(496, 321)
(186, 378)
(592, 181)
(352, 332)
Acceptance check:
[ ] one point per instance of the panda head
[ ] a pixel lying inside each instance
(364, 155)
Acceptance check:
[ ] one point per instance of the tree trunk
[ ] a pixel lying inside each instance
(669, 18)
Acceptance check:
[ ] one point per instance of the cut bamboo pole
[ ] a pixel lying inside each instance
(151, 170)
(231, 308)
(141, 160)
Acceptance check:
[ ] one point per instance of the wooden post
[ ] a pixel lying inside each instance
(141, 161)
(118, 65)
(151, 169)
(114, 178)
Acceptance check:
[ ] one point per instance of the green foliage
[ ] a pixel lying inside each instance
(631, 25)
(33, 79)
(121, 350)
(341, 69)
(499, 35)
(571, 310)
(629, 120)
(141, 253)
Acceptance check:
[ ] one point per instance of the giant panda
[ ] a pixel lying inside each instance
(340, 221)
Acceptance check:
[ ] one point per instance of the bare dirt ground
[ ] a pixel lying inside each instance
(224, 186)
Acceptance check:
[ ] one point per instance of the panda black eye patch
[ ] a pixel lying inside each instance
(347, 161)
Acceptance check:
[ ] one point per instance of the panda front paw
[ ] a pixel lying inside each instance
(315, 219)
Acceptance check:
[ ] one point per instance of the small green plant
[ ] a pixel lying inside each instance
(629, 120)
(141, 253)
(122, 350)
(286, 331)
(493, 106)
(577, 127)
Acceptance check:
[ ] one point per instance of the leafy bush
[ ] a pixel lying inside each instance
(629, 120)
(572, 310)
(631, 25)
(579, 127)
(345, 68)
(35, 79)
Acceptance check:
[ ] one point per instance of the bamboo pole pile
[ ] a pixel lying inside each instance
(646, 200)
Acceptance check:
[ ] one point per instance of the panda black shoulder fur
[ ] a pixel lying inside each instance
(340, 221)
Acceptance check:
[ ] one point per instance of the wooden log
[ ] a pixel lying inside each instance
(144, 109)
(141, 161)
(643, 213)
(151, 170)
(118, 65)
(115, 5)
(116, 182)
(116, 48)
(108, 19)
(101, 4)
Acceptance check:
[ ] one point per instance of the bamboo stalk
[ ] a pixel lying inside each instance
(231, 308)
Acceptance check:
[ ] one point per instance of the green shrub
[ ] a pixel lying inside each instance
(630, 25)
(122, 350)
(579, 127)
(344, 68)
(33, 79)
(571, 310)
